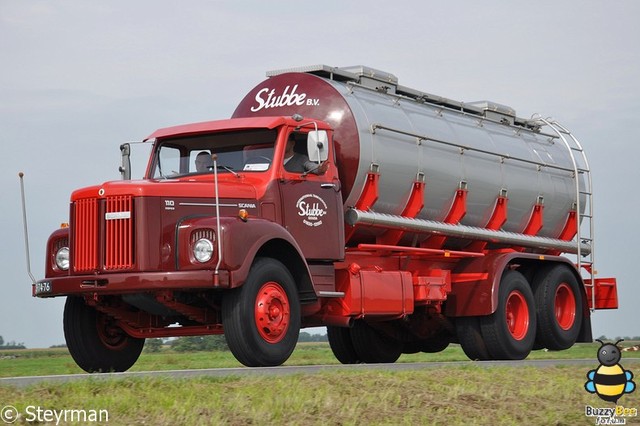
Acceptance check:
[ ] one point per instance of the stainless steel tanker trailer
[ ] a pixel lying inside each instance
(401, 220)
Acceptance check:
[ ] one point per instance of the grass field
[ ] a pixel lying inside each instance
(41, 362)
(452, 396)
(466, 395)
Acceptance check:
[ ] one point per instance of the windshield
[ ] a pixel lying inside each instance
(238, 151)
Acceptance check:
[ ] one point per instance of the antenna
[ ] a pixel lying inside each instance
(216, 273)
(26, 231)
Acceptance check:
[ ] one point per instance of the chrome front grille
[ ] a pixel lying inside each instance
(103, 234)
(118, 250)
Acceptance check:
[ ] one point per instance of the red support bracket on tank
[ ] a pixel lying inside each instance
(569, 231)
(498, 218)
(414, 205)
(456, 213)
(536, 220)
(367, 199)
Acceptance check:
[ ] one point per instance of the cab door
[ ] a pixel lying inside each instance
(312, 212)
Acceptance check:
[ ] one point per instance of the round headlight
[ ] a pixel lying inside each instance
(62, 258)
(203, 250)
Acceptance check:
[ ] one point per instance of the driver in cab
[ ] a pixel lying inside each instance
(299, 163)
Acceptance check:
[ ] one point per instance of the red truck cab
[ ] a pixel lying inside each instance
(149, 257)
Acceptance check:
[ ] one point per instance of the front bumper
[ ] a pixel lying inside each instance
(129, 282)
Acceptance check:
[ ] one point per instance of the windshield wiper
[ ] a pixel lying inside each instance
(227, 168)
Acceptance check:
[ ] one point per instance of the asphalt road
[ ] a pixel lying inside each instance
(303, 369)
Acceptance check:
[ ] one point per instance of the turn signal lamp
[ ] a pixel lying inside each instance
(243, 215)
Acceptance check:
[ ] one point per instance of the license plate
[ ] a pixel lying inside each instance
(43, 287)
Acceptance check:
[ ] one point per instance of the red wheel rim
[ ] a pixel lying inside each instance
(272, 312)
(565, 306)
(111, 336)
(517, 313)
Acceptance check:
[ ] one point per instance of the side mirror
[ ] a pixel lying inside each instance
(318, 146)
(125, 168)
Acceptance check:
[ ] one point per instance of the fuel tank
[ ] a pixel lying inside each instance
(406, 135)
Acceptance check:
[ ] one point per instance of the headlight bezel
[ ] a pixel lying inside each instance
(61, 258)
(203, 250)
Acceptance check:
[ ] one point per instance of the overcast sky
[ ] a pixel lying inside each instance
(78, 78)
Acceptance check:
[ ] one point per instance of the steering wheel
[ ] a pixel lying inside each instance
(251, 160)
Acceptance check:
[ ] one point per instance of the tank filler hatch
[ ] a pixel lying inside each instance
(363, 75)
(386, 82)
(494, 111)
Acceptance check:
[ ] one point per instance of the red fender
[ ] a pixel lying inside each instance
(475, 282)
(241, 242)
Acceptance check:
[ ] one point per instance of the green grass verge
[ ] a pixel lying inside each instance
(58, 361)
(469, 395)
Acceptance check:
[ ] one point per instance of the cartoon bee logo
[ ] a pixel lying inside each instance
(609, 381)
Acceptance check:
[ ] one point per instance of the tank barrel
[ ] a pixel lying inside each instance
(404, 132)
(381, 220)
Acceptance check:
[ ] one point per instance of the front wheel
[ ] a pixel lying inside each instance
(95, 342)
(261, 319)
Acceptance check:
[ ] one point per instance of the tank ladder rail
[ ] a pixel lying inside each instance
(581, 166)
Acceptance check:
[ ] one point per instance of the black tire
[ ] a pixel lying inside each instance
(269, 297)
(373, 347)
(510, 332)
(96, 344)
(410, 348)
(431, 345)
(434, 345)
(559, 307)
(470, 338)
(341, 345)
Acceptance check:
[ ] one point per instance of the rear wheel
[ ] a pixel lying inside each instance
(341, 345)
(373, 347)
(435, 344)
(261, 319)
(558, 307)
(470, 338)
(95, 342)
(509, 333)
